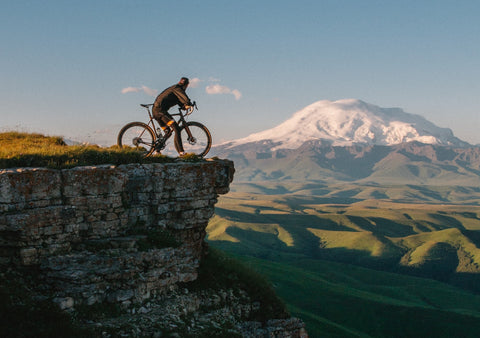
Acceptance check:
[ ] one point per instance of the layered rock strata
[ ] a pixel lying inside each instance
(124, 235)
(86, 228)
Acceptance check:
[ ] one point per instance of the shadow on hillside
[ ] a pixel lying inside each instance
(340, 198)
(451, 222)
(382, 226)
(258, 244)
(356, 162)
(277, 190)
(428, 193)
(440, 263)
(473, 235)
(465, 280)
(306, 245)
(295, 222)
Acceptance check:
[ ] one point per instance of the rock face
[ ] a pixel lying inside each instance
(123, 235)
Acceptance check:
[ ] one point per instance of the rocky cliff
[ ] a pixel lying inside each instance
(129, 237)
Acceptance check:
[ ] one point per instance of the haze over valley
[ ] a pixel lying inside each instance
(364, 193)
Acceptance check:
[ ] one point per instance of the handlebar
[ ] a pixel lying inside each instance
(190, 109)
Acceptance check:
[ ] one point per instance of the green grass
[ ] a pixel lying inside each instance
(352, 192)
(220, 271)
(355, 265)
(338, 300)
(383, 233)
(36, 150)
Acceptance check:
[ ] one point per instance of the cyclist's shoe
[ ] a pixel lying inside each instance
(181, 156)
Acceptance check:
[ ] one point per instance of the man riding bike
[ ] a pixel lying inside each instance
(174, 95)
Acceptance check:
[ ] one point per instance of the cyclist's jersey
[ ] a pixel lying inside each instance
(169, 97)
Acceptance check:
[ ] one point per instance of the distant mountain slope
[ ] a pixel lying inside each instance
(350, 121)
(407, 163)
(351, 140)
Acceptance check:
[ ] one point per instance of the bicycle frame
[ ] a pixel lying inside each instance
(181, 120)
(151, 138)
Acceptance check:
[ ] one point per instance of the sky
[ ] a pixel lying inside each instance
(81, 69)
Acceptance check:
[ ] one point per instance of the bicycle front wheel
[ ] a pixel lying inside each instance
(137, 135)
(197, 139)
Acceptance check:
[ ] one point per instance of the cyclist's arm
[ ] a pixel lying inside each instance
(182, 97)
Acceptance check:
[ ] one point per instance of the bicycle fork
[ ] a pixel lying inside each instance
(190, 137)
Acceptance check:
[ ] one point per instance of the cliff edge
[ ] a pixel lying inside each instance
(117, 247)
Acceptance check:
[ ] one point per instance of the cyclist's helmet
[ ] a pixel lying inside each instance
(184, 82)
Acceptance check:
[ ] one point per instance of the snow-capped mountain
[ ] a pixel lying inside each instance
(350, 140)
(351, 121)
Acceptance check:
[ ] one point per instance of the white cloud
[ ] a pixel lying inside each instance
(145, 89)
(130, 90)
(195, 82)
(237, 94)
(149, 91)
(219, 89)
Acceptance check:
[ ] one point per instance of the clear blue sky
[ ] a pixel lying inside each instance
(64, 64)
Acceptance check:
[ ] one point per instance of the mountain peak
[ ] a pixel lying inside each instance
(349, 121)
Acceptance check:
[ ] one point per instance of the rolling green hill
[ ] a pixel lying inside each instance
(338, 300)
(359, 259)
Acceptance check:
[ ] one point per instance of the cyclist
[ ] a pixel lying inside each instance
(173, 95)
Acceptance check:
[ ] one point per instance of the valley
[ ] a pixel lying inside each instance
(393, 254)
(365, 219)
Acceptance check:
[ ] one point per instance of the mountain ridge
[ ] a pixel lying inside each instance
(349, 121)
(403, 163)
(426, 155)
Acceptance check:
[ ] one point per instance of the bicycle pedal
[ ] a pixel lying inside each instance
(160, 145)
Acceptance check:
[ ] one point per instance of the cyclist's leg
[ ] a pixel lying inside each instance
(170, 122)
(163, 120)
(178, 138)
(161, 123)
(160, 117)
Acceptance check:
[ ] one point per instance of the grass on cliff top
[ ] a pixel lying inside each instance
(36, 150)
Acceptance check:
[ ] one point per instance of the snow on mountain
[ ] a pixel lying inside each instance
(350, 121)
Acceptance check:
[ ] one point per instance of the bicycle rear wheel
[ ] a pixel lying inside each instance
(201, 139)
(137, 135)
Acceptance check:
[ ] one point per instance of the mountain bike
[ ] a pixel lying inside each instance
(150, 139)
